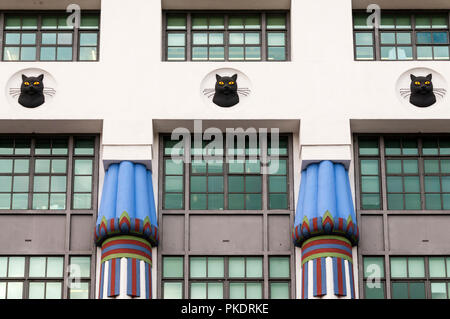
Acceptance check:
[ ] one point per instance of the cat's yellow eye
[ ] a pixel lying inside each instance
(26, 83)
(427, 82)
(36, 83)
(221, 83)
(417, 83)
(231, 83)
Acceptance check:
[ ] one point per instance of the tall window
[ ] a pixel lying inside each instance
(47, 37)
(413, 172)
(42, 277)
(411, 277)
(402, 36)
(36, 172)
(231, 36)
(227, 183)
(217, 277)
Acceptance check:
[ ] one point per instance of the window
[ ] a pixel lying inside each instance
(35, 173)
(412, 277)
(232, 180)
(232, 36)
(402, 36)
(47, 37)
(41, 277)
(416, 172)
(217, 277)
(374, 284)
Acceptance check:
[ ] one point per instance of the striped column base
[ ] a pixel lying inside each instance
(126, 264)
(327, 268)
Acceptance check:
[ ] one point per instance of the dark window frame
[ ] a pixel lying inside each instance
(226, 31)
(412, 30)
(39, 31)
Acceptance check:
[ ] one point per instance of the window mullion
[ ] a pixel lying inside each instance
(189, 37)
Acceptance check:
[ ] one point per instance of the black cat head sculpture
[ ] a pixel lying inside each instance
(422, 92)
(226, 91)
(32, 91)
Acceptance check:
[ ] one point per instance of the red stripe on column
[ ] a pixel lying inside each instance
(133, 276)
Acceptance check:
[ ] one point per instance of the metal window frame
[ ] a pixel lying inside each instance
(186, 213)
(39, 31)
(413, 30)
(226, 31)
(383, 212)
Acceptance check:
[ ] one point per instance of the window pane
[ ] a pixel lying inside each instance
(412, 184)
(82, 292)
(252, 53)
(12, 22)
(58, 184)
(364, 38)
(372, 291)
(11, 54)
(82, 264)
(254, 267)
(86, 39)
(198, 201)
(236, 53)
(88, 54)
(84, 146)
(236, 201)
(417, 290)
(279, 267)
(37, 266)
(28, 53)
(410, 166)
(198, 267)
(176, 22)
(424, 53)
(236, 22)
(41, 183)
(416, 267)
(431, 166)
(374, 267)
(370, 184)
(40, 201)
(37, 290)
(399, 290)
(254, 290)
(438, 290)
(279, 290)
(278, 201)
(387, 38)
(398, 267)
(198, 291)
(253, 184)
(215, 290)
(12, 38)
(237, 290)
(236, 267)
(441, 53)
(54, 290)
(388, 53)
(174, 184)
(252, 38)
(173, 267)
(16, 267)
(276, 21)
(82, 201)
(216, 22)
(15, 290)
(278, 184)
(173, 201)
(82, 184)
(176, 39)
(394, 184)
(392, 167)
(216, 267)
(276, 53)
(3, 266)
(173, 290)
(55, 266)
(437, 267)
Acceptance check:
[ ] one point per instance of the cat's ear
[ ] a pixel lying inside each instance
(234, 77)
(218, 77)
(429, 77)
(413, 77)
(41, 77)
(24, 77)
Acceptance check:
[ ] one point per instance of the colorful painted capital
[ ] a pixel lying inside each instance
(126, 231)
(325, 229)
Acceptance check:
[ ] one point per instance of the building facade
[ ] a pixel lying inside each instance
(206, 150)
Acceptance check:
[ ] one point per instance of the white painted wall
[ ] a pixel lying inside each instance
(131, 88)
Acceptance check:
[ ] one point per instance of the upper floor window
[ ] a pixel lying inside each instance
(260, 36)
(47, 37)
(233, 180)
(402, 36)
(411, 173)
(47, 173)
